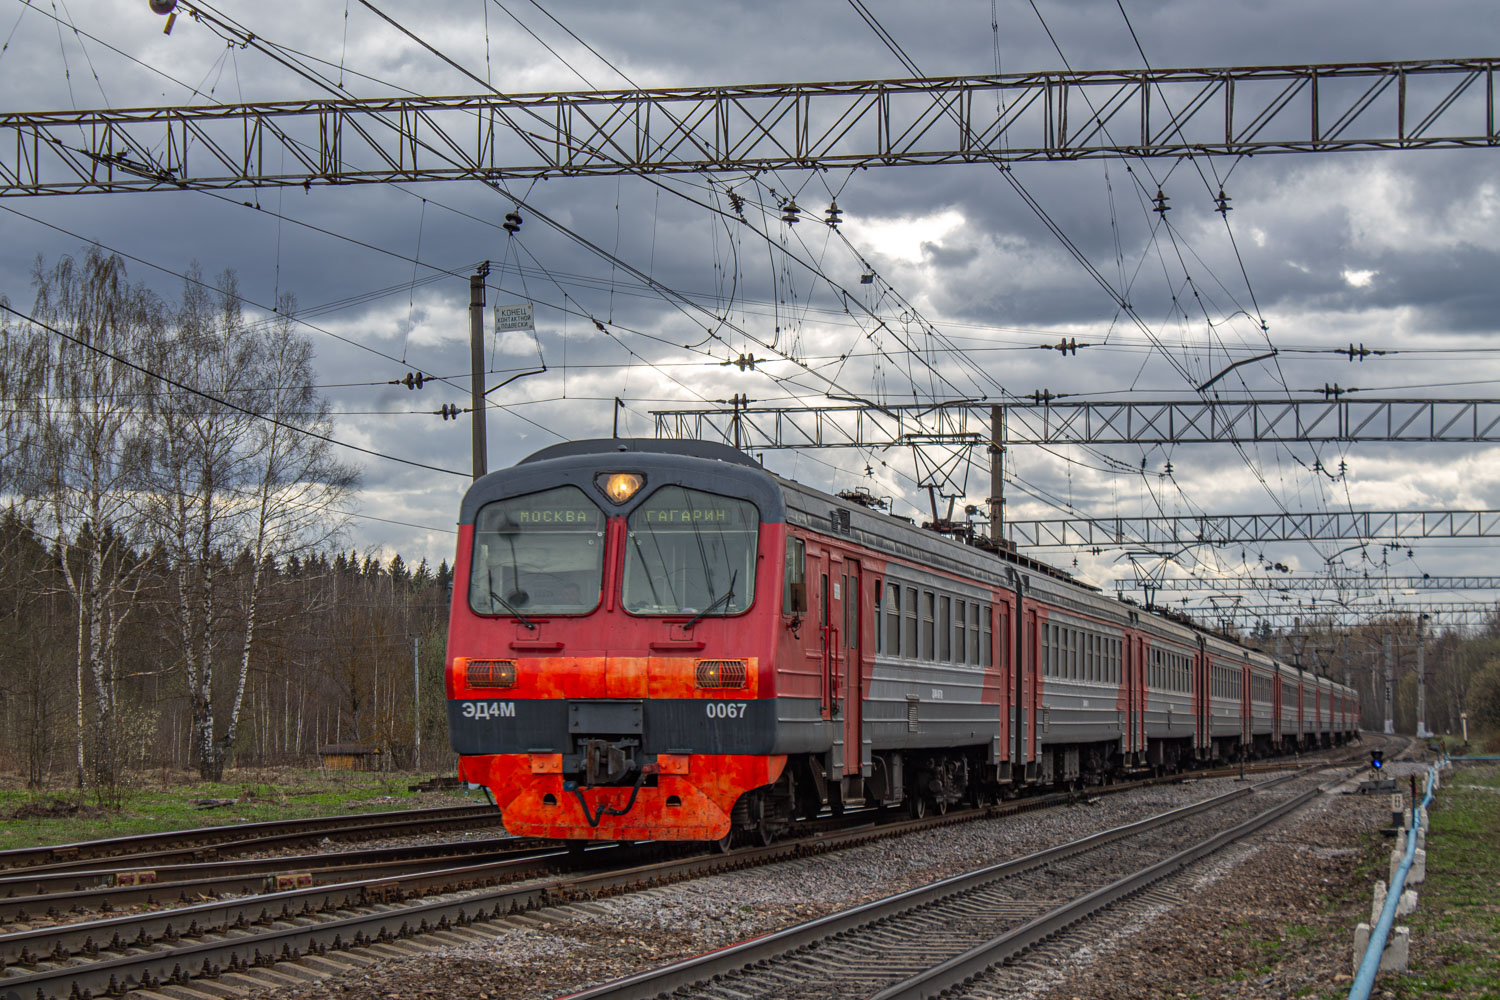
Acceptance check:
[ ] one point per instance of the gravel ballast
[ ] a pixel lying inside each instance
(556, 951)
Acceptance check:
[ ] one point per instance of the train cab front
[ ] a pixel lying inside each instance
(607, 642)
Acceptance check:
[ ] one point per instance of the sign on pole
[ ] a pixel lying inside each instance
(513, 316)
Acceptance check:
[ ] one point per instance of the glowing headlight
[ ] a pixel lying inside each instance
(620, 486)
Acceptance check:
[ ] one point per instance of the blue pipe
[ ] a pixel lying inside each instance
(1364, 980)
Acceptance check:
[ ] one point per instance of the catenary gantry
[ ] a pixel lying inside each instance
(1242, 529)
(1311, 584)
(1063, 421)
(1010, 118)
(1326, 616)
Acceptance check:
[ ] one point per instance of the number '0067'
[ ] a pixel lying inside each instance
(725, 709)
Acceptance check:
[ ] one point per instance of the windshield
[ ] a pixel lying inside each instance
(689, 552)
(542, 553)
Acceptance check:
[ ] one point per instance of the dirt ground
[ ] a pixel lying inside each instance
(1280, 924)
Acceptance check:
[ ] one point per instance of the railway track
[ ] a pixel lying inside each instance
(207, 843)
(144, 951)
(940, 937)
(48, 896)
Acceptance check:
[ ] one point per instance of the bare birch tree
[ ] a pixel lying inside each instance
(78, 462)
(297, 484)
(234, 472)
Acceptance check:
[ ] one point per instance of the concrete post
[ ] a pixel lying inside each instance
(476, 363)
(1422, 731)
(1390, 683)
(997, 474)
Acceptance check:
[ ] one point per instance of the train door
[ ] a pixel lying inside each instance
(1025, 687)
(1002, 658)
(1132, 696)
(1245, 709)
(850, 689)
(1276, 724)
(1138, 695)
(830, 635)
(1203, 699)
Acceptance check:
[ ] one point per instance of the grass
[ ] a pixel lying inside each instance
(259, 795)
(1456, 928)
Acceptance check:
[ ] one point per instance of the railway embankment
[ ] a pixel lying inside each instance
(1279, 920)
(1455, 928)
(156, 803)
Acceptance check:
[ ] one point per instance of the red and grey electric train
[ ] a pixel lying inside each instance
(659, 640)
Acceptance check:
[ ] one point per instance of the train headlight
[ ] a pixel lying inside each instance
(490, 673)
(620, 486)
(720, 674)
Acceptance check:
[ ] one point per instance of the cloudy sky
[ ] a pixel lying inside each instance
(1395, 250)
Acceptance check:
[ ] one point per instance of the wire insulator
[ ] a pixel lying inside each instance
(833, 215)
(512, 223)
(1161, 202)
(790, 212)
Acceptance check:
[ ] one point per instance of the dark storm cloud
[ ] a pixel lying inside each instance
(1309, 230)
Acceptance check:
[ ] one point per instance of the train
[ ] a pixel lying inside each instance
(662, 640)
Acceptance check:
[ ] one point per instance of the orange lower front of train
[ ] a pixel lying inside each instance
(613, 747)
(681, 796)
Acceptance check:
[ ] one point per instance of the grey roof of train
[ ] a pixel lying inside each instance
(598, 448)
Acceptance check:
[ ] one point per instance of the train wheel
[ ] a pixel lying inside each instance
(764, 833)
(918, 806)
(942, 805)
(724, 844)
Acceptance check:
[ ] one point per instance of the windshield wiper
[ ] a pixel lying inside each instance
(497, 599)
(724, 598)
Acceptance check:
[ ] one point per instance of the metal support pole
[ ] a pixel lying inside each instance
(1348, 670)
(1390, 683)
(1422, 731)
(997, 476)
(476, 362)
(416, 703)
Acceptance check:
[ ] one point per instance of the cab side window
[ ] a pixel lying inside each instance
(794, 597)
